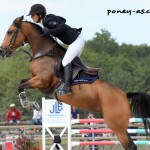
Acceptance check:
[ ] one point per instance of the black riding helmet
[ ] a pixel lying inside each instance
(37, 9)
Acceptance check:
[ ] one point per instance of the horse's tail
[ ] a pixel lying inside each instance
(140, 105)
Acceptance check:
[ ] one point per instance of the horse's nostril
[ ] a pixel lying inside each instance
(1, 50)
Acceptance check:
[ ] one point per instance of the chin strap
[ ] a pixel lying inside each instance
(40, 18)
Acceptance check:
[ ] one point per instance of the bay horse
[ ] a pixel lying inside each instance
(114, 104)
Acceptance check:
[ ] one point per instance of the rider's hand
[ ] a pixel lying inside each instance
(46, 31)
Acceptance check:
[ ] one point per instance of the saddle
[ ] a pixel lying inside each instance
(79, 70)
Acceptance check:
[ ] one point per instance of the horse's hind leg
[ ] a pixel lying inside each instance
(125, 140)
(120, 126)
(116, 114)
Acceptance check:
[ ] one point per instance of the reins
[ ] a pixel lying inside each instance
(50, 53)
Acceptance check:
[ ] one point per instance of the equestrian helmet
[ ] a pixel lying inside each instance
(37, 9)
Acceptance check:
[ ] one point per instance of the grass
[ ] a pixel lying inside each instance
(115, 147)
(102, 148)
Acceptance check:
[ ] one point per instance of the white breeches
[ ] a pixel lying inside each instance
(74, 49)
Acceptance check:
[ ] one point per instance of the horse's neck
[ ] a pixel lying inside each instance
(49, 50)
(40, 47)
(41, 44)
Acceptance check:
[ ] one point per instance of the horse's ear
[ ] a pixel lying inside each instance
(21, 18)
(17, 22)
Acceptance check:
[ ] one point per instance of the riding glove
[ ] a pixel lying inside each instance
(46, 31)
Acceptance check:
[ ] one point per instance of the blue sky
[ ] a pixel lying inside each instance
(91, 15)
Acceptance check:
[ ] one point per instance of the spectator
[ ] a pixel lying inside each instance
(37, 116)
(13, 115)
(92, 135)
(75, 113)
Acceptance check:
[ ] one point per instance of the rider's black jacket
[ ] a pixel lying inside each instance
(59, 29)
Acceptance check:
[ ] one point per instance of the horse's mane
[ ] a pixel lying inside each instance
(39, 28)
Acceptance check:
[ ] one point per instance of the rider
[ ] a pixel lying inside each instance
(55, 26)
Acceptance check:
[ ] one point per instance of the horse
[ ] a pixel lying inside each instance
(115, 105)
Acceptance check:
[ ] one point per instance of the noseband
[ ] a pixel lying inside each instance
(9, 49)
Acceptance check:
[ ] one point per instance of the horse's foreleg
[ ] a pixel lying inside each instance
(27, 83)
(20, 88)
(36, 83)
(22, 95)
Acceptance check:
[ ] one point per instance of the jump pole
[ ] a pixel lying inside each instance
(102, 143)
(8, 145)
(100, 131)
(73, 121)
(55, 115)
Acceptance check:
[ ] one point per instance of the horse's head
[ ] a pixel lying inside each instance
(21, 32)
(14, 38)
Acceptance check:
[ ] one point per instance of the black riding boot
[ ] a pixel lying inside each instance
(67, 76)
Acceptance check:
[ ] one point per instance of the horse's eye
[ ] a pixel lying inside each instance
(9, 32)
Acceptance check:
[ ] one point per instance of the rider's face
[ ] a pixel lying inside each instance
(35, 17)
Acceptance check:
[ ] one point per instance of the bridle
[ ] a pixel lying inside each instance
(13, 39)
(9, 49)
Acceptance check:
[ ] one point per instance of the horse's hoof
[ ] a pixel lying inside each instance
(23, 96)
(24, 100)
(34, 105)
(25, 104)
